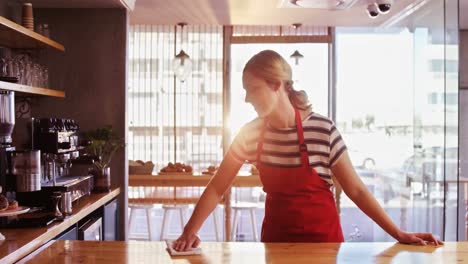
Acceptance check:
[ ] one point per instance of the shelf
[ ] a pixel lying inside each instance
(31, 90)
(15, 36)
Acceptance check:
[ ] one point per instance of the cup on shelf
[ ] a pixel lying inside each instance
(27, 18)
(3, 67)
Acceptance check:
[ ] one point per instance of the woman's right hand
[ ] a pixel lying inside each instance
(186, 241)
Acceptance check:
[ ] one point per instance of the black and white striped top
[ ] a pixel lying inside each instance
(281, 146)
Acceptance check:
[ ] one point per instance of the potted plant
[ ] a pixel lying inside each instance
(103, 143)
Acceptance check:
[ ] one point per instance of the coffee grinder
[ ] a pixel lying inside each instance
(7, 123)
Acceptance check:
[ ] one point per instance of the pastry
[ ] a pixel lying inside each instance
(177, 167)
(12, 204)
(188, 168)
(3, 202)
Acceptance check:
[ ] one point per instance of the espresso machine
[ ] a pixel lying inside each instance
(58, 142)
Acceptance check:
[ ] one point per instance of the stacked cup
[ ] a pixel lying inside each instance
(27, 16)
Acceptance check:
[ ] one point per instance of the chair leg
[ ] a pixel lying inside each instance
(130, 220)
(163, 225)
(215, 220)
(254, 224)
(182, 218)
(148, 223)
(234, 225)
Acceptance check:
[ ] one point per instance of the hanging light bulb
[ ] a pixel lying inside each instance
(182, 64)
(296, 54)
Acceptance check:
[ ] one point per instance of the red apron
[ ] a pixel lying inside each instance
(299, 205)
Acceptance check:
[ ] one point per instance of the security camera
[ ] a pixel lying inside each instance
(384, 6)
(372, 10)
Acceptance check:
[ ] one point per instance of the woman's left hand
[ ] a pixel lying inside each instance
(418, 238)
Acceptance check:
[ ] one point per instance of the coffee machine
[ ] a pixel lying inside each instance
(58, 142)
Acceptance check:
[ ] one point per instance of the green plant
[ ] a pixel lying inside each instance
(103, 145)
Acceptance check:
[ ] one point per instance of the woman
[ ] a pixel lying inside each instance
(296, 152)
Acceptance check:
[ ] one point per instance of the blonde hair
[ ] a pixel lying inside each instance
(272, 67)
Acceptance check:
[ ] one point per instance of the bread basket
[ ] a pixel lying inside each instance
(140, 168)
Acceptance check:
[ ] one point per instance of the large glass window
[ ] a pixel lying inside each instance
(375, 102)
(397, 109)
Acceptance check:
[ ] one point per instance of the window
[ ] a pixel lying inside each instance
(171, 121)
(411, 137)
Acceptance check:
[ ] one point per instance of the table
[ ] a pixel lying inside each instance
(251, 252)
(184, 180)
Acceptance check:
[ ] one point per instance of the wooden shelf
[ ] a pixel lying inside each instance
(15, 36)
(31, 90)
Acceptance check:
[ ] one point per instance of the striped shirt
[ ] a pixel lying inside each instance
(281, 146)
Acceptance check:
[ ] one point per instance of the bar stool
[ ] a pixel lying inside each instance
(147, 209)
(168, 208)
(182, 208)
(237, 211)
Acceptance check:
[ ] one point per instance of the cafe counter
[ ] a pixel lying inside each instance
(114, 252)
(19, 242)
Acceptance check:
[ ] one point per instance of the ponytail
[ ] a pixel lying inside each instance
(298, 99)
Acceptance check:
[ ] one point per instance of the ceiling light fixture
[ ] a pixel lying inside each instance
(182, 64)
(318, 4)
(296, 54)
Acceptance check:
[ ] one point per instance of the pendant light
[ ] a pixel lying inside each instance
(182, 64)
(296, 54)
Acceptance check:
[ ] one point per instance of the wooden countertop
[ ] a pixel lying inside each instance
(247, 252)
(20, 242)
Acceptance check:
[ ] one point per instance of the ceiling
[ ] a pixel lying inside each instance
(262, 12)
(80, 3)
(266, 12)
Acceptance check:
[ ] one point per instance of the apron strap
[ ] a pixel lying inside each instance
(300, 136)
